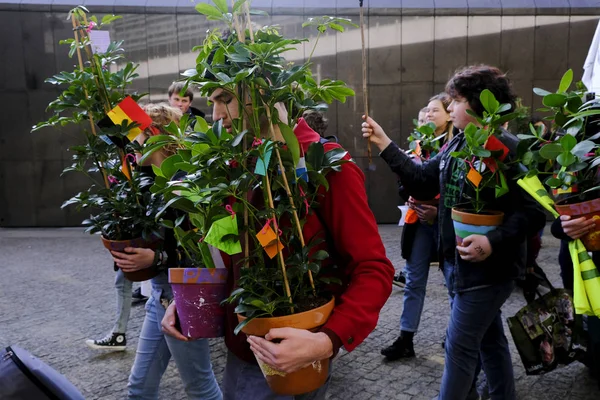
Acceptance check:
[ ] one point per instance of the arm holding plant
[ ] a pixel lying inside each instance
(420, 180)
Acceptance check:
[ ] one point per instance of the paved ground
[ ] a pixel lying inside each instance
(56, 291)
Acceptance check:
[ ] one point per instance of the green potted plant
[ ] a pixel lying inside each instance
(569, 156)
(247, 192)
(423, 141)
(482, 163)
(122, 207)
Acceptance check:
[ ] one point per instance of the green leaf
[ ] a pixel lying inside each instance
(554, 100)
(201, 125)
(565, 81)
(489, 102)
(208, 10)
(336, 27)
(550, 151)
(565, 159)
(292, 142)
(553, 182)
(221, 5)
(168, 167)
(568, 142)
(320, 255)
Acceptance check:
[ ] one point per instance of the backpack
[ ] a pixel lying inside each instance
(25, 377)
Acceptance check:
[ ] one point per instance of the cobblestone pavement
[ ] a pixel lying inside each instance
(56, 291)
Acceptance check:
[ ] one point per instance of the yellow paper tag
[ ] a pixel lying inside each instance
(474, 176)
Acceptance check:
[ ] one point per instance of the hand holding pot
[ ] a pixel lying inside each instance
(576, 228)
(475, 248)
(133, 259)
(296, 348)
(169, 323)
(373, 130)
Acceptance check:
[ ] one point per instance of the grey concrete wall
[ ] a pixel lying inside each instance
(414, 47)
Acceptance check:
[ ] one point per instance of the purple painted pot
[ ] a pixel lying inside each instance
(198, 294)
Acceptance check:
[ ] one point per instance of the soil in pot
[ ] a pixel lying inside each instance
(198, 294)
(468, 223)
(590, 210)
(306, 379)
(120, 245)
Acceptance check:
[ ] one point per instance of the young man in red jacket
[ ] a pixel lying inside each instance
(366, 273)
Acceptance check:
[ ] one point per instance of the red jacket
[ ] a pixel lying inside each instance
(366, 272)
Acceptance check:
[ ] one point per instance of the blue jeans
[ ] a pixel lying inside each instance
(123, 289)
(242, 381)
(416, 272)
(475, 330)
(155, 349)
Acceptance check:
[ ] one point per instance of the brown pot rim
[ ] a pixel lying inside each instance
(491, 217)
(205, 276)
(285, 321)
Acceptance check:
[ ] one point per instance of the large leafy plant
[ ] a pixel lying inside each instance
(569, 156)
(117, 198)
(483, 164)
(222, 179)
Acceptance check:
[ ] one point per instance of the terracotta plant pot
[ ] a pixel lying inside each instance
(467, 223)
(120, 245)
(198, 294)
(308, 378)
(590, 210)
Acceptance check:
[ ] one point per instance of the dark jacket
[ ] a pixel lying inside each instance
(442, 174)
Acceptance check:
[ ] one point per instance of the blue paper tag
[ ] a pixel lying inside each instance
(263, 162)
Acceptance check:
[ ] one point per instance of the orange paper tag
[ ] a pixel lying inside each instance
(266, 236)
(273, 248)
(474, 177)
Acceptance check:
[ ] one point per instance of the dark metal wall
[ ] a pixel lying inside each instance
(413, 49)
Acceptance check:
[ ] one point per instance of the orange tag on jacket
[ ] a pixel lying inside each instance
(474, 176)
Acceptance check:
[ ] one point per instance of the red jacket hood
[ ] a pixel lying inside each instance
(305, 134)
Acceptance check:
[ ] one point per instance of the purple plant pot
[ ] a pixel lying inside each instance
(198, 294)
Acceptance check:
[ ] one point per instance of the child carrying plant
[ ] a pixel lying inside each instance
(480, 273)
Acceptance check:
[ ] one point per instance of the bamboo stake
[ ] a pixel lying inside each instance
(236, 24)
(289, 194)
(364, 76)
(90, 116)
(247, 9)
(279, 249)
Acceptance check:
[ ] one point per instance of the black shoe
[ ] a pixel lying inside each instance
(401, 348)
(112, 342)
(137, 296)
(444, 341)
(400, 279)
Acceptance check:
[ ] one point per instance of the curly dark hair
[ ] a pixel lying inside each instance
(469, 82)
(316, 120)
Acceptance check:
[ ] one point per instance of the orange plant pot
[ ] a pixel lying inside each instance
(467, 223)
(590, 210)
(120, 245)
(306, 379)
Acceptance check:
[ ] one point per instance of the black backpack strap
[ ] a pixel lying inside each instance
(34, 379)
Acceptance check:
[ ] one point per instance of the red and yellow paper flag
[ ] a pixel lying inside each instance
(130, 111)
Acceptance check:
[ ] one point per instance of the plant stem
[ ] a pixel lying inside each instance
(279, 249)
(289, 194)
(314, 47)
